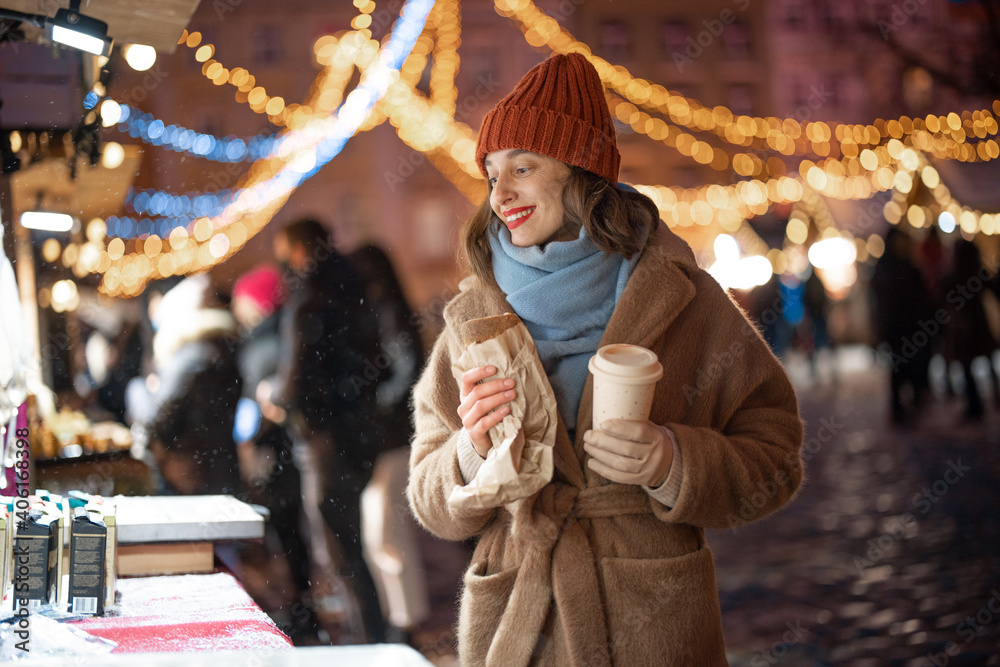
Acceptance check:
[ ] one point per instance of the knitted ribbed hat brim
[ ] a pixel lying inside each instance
(558, 109)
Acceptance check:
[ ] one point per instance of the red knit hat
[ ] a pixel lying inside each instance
(262, 286)
(558, 109)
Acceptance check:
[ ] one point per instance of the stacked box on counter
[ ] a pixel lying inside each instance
(46, 541)
(54, 505)
(39, 541)
(88, 554)
(105, 511)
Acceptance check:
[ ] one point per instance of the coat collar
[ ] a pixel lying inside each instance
(659, 289)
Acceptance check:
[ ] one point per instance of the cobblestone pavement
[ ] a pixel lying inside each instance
(890, 554)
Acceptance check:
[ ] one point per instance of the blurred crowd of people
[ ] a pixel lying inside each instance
(930, 302)
(927, 300)
(291, 392)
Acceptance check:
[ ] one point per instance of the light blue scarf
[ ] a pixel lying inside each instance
(565, 292)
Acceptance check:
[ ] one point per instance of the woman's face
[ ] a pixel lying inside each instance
(527, 195)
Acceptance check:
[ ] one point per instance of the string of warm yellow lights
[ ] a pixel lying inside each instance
(919, 176)
(411, 115)
(411, 70)
(211, 241)
(751, 165)
(427, 123)
(730, 205)
(446, 21)
(944, 136)
(247, 90)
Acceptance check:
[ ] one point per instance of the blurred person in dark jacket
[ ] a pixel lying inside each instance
(186, 409)
(902, 303)
(390, 536)
(329, 334)
(264, 446)
(397, 367)
(817, 311)
(967, 334)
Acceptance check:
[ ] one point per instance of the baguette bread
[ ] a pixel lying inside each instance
(486, 328)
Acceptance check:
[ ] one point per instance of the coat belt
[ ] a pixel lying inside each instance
(559, 565)
(610, 500)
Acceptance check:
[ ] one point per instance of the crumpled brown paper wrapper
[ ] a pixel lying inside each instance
(520, 462)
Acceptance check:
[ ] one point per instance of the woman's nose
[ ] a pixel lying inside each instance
(501, 191)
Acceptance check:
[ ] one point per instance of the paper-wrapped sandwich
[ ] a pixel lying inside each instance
(520, 462)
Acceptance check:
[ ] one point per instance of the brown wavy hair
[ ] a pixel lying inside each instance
(619, 221)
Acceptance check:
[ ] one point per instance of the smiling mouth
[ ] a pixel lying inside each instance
(516, 217)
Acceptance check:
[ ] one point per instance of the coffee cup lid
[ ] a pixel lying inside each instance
(629, 364)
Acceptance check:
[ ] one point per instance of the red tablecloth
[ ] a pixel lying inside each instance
(194, 612)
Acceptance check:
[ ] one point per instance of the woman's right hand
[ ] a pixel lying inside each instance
(484, 405)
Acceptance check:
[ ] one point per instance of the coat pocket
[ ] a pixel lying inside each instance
(663, 611)
(484, 600)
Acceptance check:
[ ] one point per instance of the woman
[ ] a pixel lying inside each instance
(607, 564)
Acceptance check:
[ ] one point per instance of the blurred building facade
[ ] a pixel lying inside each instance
(378, 189)
(846, 62)
(714, 52)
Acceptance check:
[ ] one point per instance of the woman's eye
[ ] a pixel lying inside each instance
(523, 170)
(492, 180)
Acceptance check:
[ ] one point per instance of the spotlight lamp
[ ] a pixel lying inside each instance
(69, 27)
(47, 221)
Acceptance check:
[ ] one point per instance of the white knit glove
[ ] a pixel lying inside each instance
(630, 452)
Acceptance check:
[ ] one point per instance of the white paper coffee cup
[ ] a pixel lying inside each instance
(624, 379)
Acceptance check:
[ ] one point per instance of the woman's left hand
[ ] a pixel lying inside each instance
(630, 452)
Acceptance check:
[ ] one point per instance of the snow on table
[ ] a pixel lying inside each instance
(193, 612)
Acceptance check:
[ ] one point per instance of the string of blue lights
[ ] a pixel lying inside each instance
(181, 210)
(154, 131)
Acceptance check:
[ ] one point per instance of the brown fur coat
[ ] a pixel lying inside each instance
(593, 573)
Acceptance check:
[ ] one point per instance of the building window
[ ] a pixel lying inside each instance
(267, 47)
(741, 100)
(480, 68)
(615, 40)
(686, 90)
(810, 97)
(675, 35)
(209, 122)
(799, 93)
(795, 14)
(736, 39)
(921, 15)
(831, 17)
(831, 92)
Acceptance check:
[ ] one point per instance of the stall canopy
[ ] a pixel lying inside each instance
(157, 23)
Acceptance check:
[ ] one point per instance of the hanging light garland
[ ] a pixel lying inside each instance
(298, 153)
(179, 139)
(199, 231)
(788, 136)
